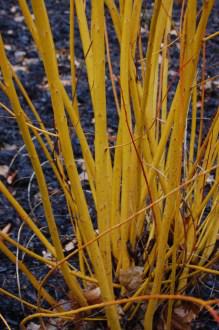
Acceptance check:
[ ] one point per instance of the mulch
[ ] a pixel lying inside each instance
(21, 180)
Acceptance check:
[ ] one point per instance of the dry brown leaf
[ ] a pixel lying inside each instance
(11, 177)
(186, 312)
(112, 138)
(182, 317)
(93, 294)
(33, 326)
(65, 304)
(5, 230)
(69, 246)
(47, 255)
(131, 278)
(9, 147)
(120, 311)
(83, 176)
(4, 170)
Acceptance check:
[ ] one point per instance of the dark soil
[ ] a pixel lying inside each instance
(23, 56)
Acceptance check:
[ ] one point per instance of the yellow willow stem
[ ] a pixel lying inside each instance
(135, 191)
(86, 42)
(81, 255)
(29, 22)
(173, 270)
(193, 128)
(201, 269)
(103, 176)
(137, 181)
(72, 55)
(197, 301)
(101, 143)
(161, 111)
(84, 221)
(187, 52)
(87, 156)
(149, 188)
(213, 35)
(136, 12)
(201, 152)
(157, 29)
(116, 191)
(201, 207)
(4, 322)
(138, 292)
(191, 31)
(58, 170)
(125, 119)
(122, 7)
(211, 233)
(137, 165)
(165, 65)
(203, 83)
(208, 157)
(115, 17)
(112, 77)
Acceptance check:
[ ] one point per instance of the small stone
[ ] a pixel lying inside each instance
(3, 269)
(19, 56)
(13, 9)
(19, 19)
(8, 47)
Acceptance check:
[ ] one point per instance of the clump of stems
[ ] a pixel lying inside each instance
(149, 189)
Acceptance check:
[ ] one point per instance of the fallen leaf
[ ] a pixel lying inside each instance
(47, 255)
(186, 312)
(8, 47)
(65, 304)
(83, 176)
(69, 246)
(93, 294)
(112, 138)
(210, 179)
(5, 230)
(120, 311)
(19, 19)
(9, 147)
(11, 177)
(13, 9)
(4, 170)
(131, 278)
(182, 316)
(173, 33)
(33, 326)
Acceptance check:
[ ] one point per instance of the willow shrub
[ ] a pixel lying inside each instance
(150, 190)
